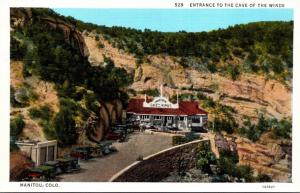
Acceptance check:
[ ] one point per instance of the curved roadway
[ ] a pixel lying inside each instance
(102, 169)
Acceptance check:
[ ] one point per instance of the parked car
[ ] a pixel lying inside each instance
(172, 128)
(107, 148)
(68, 164)
(56, 165)
(41, 173)
(83, 152)
(117, 132)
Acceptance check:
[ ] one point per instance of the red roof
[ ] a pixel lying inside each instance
(185, 108)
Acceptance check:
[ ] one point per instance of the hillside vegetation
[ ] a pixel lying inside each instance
(261, 47)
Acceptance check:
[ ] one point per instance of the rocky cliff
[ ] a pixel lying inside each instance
(249, 94)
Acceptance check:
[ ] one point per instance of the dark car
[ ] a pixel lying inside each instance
(107, 148)
(84, 152)
(116, 133)
(56, 165)
(41, 173)
(68, 164)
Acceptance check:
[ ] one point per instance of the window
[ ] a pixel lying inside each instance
(196, 119)
(157, 117)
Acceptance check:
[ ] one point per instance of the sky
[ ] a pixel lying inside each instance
(173, 20)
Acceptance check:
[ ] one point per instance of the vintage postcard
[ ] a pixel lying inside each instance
(183, 95)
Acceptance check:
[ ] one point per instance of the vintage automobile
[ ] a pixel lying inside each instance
(56, 165)
(83, 152)
(41, 173)
(68, 164)
(117, 133)
(107, 148)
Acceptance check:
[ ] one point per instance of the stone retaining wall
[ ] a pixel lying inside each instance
(158, 166)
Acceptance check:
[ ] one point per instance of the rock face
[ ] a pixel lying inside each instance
(249, 94)
(271, 157)
(20, 16)
(110, 113)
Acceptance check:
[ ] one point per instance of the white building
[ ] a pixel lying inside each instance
(39, 152)
(184, 115)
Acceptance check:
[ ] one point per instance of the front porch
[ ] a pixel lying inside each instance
(172, 121)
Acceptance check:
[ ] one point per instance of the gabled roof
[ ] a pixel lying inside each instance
(185, 108)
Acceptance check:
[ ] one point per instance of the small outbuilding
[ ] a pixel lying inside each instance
(39, 151)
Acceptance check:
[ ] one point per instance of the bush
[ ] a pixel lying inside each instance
(48, 129)
(226, 125)
(205, 158)
(91, 102)
(97, 37)
(65, 127)
(263, 178)
(177, 140)
(22, 96)
(244, 171)
(101, 45)
(17, 49)
(16, 126)
(150, 92)
(191, 136)
(13, 146)
(44, 113)
(282, 129)
(233, 71)
(279, 129)
(13, 101)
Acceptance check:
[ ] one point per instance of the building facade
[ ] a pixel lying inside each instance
(160, 112)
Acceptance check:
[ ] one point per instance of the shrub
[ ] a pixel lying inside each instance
(65, 127)
(16, 126)
(244, 171)
(17, 49)
(212, 67)
(100, 45)
(150, 92)
(190, 136)
(177, 140)
(13, 101)
(22, 95)
(97, 37)
(205, 158)
(233, 71)
(209, 103)
(226, 125)
(48, 129)
(263, 178)
(279, 129)
(91, 102)
(282, 129)
(44, 113)
(13, 146)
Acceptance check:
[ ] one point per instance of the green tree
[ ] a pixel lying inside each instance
(16, 126)
(65, 127)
